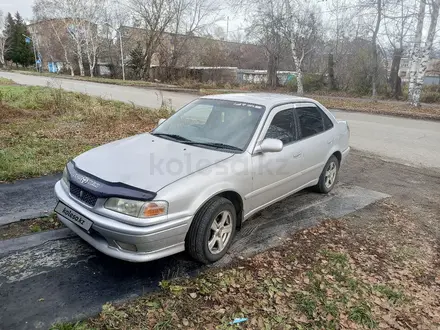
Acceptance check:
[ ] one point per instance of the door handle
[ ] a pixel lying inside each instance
(330, 141)
(297, 155)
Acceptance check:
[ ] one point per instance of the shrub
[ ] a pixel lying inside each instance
(430, 97)
(311, 82)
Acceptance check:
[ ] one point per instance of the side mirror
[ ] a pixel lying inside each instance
(161, 120)
(269, 145)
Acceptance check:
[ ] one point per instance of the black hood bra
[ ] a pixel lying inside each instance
(106, 189)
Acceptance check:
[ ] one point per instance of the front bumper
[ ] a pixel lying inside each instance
(125, 241)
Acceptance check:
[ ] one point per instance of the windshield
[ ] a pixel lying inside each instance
(213, 123)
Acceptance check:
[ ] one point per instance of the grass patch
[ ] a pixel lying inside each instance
(361, 314)
(71, 326)
(395, 297)
(27, 227)
(6, 81)
(43, 128)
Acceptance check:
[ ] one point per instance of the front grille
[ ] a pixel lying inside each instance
(82, 195)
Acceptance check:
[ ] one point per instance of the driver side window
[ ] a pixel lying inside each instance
(282, 127)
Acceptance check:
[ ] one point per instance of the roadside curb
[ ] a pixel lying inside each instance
(25, 242)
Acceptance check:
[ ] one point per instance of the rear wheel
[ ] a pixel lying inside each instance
(329, 176)
(212, 230)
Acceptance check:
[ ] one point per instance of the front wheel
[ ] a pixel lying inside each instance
(212, 230)
(329, 176)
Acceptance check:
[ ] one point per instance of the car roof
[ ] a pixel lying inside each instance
(269, 100)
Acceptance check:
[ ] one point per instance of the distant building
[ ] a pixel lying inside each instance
(432, 75)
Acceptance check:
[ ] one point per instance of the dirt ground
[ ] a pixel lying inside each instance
(376, 268)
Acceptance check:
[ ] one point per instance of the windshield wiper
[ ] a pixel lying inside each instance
(215, 144)
(190, 142)
(173, 136)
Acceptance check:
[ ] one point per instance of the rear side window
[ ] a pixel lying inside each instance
(310, 121)
(282, 127)
(327, 121)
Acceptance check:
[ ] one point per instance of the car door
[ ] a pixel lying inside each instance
(275, 174)
(316, 136)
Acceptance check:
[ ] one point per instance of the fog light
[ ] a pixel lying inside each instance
(126, 246)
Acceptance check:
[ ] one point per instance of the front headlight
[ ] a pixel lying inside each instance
(137, 209)
(65, 177)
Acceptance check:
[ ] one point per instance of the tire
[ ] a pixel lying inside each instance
(324, 185)
(201, 232)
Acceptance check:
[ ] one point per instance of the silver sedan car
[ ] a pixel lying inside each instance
(192, 182)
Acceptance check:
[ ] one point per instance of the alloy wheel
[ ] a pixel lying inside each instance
(330, 175)
(220, 234)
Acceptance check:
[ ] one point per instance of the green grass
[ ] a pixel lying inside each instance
(6, 81)
(35, 228)
(395, 297)
(361, 314)
(43, 128)
(71, 326)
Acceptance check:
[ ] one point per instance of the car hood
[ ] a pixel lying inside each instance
(147, 162)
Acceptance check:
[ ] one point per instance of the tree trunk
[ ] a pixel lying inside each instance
(92, 60)
(395, 65)
(416, 50)
(272, 68)
(299, 82)
(80, 59)
(296, 59)
(426, 54)
(374, 49)
(299, 75)
(331, 73)
(147, 65)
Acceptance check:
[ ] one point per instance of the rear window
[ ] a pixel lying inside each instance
(310, 121)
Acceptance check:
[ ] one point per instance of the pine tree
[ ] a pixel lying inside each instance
(9, 32)
(19, 51)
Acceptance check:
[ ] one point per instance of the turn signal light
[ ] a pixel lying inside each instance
(153, 210)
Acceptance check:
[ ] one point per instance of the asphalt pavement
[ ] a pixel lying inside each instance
(27, 199)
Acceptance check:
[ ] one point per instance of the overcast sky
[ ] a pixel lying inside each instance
(24, 7)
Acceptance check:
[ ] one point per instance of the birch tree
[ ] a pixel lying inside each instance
(399, 20)
(79, 19)
(425, 53)
(58, 26)
(92, 40)
(91, 45)
(301, 28)
(379, 8)
(3, 38)
(416, 50)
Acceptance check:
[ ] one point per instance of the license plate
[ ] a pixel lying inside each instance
(73, 216)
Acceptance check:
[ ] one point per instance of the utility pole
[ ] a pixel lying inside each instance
(122, 54)
(122, 48)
